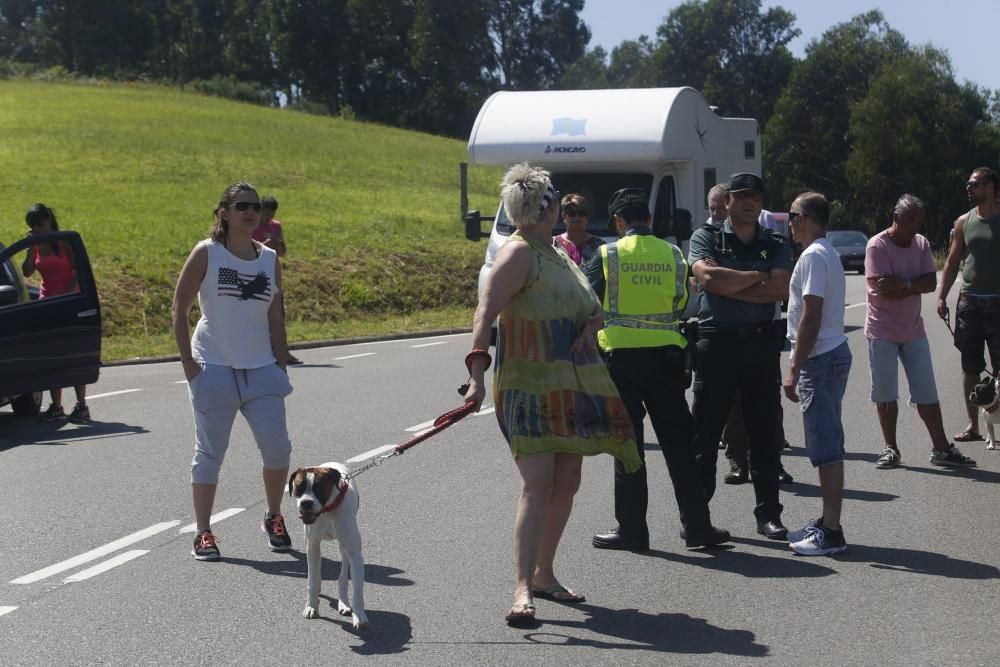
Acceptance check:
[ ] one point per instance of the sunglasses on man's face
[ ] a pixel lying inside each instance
(794, 215)
(574, 212)
(244, 205)
(973, 184)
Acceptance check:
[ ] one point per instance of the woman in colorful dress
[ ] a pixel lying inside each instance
(54, 263)
(576, 241)
(554, 399)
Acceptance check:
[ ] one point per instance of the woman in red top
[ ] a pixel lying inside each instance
(54, 262)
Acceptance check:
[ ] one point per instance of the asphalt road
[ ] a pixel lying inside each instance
(95, 568)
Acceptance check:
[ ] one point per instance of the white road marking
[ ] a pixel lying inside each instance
(181, 382)
(438, 342)
(113, 393)
(105, 566)
(6, 610)
(215, 518)
(354, 356)
(404, 340)
(371, 453)
(487, 411)
(94, 554)
(422, 426)
(854, 305)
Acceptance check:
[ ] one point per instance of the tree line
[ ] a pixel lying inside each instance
(863, 117)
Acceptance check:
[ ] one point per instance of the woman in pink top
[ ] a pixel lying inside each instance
(577, 242)
(54, 263)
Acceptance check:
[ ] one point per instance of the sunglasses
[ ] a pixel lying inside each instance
(244, 205)
(574, 212)
(793, 215)
(973, 184)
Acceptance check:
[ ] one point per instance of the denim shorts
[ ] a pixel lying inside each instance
(883, 363)
(822, 384)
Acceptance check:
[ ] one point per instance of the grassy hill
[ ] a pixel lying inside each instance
(371, 212)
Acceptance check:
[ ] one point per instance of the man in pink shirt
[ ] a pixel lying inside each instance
(900, 267)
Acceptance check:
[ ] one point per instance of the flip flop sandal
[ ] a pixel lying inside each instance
(968, 435)
(521, 616)
(559, 593)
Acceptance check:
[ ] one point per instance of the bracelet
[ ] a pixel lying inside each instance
(476, 352)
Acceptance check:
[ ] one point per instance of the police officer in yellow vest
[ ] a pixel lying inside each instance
(642, 282)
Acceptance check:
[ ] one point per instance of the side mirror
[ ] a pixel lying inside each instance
(473, 225)
(8, 295)
(682, 224)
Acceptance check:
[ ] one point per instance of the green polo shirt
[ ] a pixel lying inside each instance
(764, 252)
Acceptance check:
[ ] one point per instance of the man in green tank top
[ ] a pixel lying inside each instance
(975, 241)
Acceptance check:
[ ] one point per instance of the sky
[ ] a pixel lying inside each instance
(967, 31)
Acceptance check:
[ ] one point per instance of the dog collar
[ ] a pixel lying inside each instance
(993, 408)
(336, 501)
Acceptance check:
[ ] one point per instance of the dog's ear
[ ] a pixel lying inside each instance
(335, 475)
(292, 479)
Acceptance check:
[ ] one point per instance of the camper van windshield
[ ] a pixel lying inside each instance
(597, 190)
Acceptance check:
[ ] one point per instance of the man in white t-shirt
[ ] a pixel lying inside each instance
(819, 366)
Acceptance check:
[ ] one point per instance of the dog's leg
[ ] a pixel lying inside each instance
(991, 440)
(345, 573)
(314, 564)
(357, 573)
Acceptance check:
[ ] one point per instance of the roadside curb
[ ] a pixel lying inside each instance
(304, 346)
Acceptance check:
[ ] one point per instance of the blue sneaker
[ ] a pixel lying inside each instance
(805, 531)
(820, 542)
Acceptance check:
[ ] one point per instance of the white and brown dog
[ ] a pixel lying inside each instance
(328, 506)
(986, 397)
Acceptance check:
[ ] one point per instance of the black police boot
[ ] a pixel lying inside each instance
(618, 540)
(738, 473)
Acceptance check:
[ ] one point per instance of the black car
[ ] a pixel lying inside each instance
(850, 246)
(46, 343)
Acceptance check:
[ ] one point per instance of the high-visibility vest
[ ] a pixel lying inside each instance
(645, 294)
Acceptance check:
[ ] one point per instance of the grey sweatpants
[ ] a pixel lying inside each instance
(217, 393)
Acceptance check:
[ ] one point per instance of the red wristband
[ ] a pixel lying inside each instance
(477, 353)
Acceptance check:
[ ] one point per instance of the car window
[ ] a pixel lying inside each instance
(841, 239)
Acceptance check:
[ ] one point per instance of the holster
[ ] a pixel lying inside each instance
(690, 331)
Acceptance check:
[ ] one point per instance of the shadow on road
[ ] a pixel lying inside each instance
(750, 565)
(381, 575)
(812, 491)
(388, 631)
(19, 432)
(977, 474)
(848, 456)
(918, 562)
(636, 630)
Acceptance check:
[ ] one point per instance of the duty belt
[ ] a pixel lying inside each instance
(736, 331)
(978, 300)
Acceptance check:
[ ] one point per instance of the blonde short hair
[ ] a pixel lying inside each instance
(526, 193)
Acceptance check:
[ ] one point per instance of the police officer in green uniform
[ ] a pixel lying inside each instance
(642, 282)
(743, 270)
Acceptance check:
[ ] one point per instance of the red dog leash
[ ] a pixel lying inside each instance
(440, 424)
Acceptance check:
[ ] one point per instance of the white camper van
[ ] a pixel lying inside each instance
(667, 141)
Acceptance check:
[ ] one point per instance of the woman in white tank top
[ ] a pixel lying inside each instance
(235, 361)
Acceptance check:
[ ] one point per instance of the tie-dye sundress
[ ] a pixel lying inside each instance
(547, 398)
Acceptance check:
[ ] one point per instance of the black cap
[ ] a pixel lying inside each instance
(625, 197)
(739, 182)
